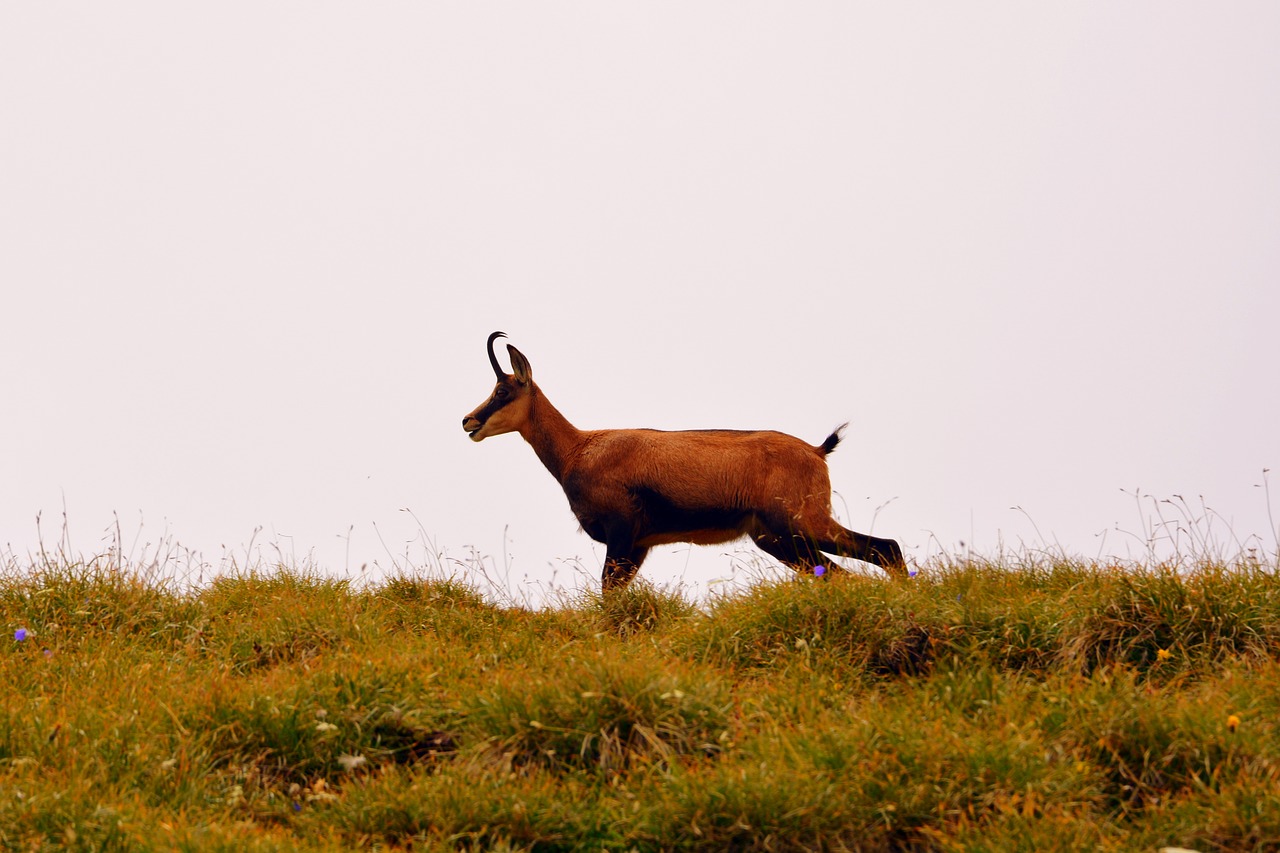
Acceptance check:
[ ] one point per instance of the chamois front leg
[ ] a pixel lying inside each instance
(620, 569)
(622, 560)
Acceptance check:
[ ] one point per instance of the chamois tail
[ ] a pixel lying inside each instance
(832, 440)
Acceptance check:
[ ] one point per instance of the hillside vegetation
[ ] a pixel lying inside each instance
(976, 707)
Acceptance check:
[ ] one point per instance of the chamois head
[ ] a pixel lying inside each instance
(508, 406)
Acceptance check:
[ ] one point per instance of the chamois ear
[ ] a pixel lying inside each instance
(520, 366)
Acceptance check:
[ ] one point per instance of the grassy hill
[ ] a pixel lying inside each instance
(976, 707)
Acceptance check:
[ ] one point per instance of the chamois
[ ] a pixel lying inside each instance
(632, 489)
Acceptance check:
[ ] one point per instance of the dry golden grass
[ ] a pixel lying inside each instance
(1054, 705)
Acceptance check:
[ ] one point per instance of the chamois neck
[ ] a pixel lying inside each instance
(553, 438)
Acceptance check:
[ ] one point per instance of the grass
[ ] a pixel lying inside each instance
(1053, 705)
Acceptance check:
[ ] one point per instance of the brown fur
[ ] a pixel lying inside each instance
(632, 489)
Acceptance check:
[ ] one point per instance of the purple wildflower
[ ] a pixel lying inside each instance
(20, 634)
(819, 571)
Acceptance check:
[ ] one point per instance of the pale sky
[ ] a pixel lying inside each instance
(250, 253)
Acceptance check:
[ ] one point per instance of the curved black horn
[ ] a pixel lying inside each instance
(493, 359)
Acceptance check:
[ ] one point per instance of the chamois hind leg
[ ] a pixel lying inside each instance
(793, 552)
(885, 553)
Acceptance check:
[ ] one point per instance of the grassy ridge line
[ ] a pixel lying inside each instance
(974, 708)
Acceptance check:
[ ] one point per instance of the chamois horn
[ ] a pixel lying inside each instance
(493, 359)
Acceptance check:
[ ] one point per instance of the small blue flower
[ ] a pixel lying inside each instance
(819, 571)
(20, 634)
(913, 573)
(297, 806)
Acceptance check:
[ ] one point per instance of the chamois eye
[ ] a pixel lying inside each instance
(502, 393)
